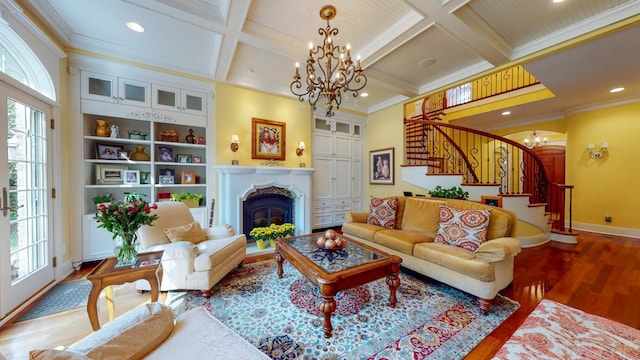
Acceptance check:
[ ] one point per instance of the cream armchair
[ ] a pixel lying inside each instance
(193, 258)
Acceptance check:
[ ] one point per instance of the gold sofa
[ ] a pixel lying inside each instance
(482, 273)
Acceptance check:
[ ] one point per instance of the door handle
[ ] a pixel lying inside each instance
(5, 207)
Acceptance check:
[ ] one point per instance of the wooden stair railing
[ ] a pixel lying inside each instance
(485, 158)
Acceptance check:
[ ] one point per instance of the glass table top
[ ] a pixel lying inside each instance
(332, 261)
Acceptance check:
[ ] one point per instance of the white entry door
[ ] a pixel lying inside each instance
(25, 173)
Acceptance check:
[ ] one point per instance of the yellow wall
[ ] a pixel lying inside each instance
(606, 186)
(234, 109)
(384, 129)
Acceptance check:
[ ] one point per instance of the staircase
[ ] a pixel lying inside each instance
(487, 164)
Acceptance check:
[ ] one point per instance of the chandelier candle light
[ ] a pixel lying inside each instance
(330, 70)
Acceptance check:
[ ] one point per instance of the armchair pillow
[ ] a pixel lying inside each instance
(220, 232)
(191, 232)
(464, 228)
(383, 212)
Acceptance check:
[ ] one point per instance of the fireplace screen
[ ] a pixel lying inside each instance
(265, 207)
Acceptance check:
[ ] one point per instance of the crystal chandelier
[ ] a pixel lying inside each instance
(534, 141)
(330, 70)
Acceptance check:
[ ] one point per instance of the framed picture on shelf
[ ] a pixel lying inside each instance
(197, 159)
(187, 177)
(145, 177)
(124, 154)
(165, 154)
(165, 179)
(167, 172)
(381, 167)
(491, 200)
(109, 174)
(108, 152)
(183, 158)
(131, 177)
(268, 139)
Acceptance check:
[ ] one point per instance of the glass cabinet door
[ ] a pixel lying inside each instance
(193, 102)
(99, 87)
(165, 97)
(132, 92)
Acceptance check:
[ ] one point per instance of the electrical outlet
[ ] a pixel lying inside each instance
(607, 218)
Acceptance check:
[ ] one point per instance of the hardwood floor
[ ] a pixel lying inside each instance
(600, 275)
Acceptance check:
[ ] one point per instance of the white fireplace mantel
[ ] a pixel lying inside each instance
(235, 183)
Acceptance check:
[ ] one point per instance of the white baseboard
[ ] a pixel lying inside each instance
(609, 230)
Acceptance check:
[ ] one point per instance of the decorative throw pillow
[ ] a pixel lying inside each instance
(382, 212)
(464, 228)
(191, 232)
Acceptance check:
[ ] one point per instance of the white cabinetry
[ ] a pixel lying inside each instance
(114, 89)
(180, 100)
(337, 179)
(128, 105)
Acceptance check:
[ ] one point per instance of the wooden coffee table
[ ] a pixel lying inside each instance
(333, 271)
(107, 274)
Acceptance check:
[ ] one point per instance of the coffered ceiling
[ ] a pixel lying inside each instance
(255, 43)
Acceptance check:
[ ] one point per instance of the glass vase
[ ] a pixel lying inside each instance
(126, 250)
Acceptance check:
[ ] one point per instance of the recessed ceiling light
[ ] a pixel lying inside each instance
(505, 113)
(615, 90)
(557, 1)
(427, 62)
(364, 94)
(135, 26)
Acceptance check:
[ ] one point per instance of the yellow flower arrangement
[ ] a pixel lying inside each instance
(272, 231)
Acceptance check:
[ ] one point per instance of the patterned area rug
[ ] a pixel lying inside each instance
(430, 321)
(63, 297)
(558, 331)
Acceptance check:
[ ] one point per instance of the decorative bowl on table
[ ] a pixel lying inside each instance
(331, 241)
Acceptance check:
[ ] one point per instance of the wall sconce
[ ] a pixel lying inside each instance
(234, 142)
(600, 153)
(300, 149)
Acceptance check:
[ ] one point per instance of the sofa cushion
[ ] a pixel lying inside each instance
(130, 336)
(364, 231)
(198, 335)
(382, 212)
(400, 240)
(463, 228)
(455, 258)
(53, 354)
(422, 215)
(501, 223)
(191, 232)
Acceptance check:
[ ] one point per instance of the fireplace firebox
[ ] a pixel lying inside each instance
(263, 207)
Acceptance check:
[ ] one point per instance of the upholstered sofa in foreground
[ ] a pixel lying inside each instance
(481, 272)
(150, 332)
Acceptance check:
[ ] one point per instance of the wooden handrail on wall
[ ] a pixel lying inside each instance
(485, 158)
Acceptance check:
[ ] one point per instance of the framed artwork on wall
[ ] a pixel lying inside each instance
(268, 139)
(381, 166)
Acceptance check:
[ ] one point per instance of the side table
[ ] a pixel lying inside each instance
(107, 274)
